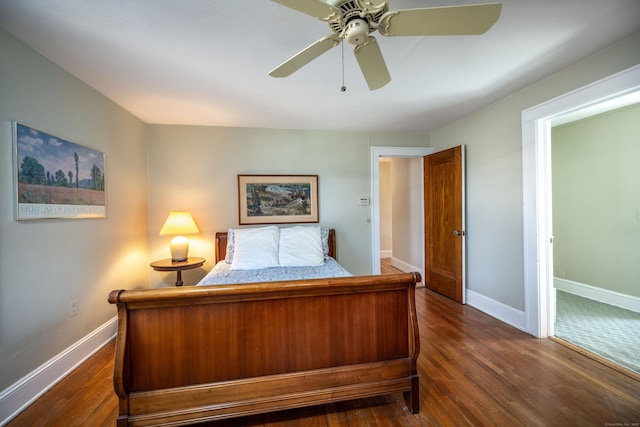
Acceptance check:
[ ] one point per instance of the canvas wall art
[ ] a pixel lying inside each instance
(55, 178)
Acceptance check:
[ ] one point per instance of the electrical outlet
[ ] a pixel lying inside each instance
(73, 308)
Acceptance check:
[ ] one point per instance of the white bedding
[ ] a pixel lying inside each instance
(223, 274)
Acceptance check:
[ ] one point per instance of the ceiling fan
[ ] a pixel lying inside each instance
(355, 20)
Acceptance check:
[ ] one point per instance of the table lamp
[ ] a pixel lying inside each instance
(179, 223)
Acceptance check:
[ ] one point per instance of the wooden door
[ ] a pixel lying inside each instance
(444, 223)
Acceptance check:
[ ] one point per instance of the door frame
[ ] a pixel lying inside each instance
(622, 89)
(376, 154)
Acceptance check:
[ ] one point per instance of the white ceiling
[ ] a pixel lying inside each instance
(206, 62)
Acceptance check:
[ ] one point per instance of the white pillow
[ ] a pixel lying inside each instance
(324, 233)
(255, 248)
(300, 246)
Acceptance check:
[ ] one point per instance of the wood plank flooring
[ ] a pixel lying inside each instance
(474, 371)
(387, 268)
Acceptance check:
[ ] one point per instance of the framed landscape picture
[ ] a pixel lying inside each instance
(276, 199)
(55, 178)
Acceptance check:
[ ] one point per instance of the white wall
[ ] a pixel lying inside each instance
(44, 264)
(196, 168)
(493, 137)
(596, 201)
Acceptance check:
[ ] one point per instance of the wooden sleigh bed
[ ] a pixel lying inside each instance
(195, 354)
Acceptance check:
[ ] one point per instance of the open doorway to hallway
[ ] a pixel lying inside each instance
(413, 225)
(401, 212)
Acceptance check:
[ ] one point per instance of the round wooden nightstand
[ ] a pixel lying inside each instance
(168, 265)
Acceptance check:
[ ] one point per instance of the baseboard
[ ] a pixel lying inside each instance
(628, 302)
(406, 267)
(500, 311)
(25, 391)
(386, 253)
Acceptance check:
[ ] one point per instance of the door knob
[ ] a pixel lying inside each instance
(458, 233)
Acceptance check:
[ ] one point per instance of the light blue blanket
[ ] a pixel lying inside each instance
(222, 273)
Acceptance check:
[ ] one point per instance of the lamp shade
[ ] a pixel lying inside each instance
(179, 222)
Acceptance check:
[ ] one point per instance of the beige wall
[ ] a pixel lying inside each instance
(596, 201)
(401, 202)
(493, 137)
(44, 264)
(386, 204)
(195, 168)
(406, 177)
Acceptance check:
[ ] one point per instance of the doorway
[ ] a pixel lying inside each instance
(378, 153)
(612, 92)
(595, 227)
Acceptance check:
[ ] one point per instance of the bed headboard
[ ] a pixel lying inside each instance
(221, 244)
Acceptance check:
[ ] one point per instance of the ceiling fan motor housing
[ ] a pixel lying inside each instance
(366, 11)
(357, 31)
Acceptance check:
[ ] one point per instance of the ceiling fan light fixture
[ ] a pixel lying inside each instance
(356, 32)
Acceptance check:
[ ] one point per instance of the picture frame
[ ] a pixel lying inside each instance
(56, 178)
(277, 199)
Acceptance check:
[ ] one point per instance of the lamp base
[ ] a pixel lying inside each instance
(179, 249)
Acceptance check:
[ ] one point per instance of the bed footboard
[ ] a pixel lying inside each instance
(214, 352)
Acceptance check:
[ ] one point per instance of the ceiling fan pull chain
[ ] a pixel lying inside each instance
(343, 88)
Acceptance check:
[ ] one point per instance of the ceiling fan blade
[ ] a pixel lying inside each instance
(372, 5)
(471, 19)
(305, 56)
(372, 63)
(315, 8)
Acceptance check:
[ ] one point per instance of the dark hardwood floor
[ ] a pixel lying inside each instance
(474, 371)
